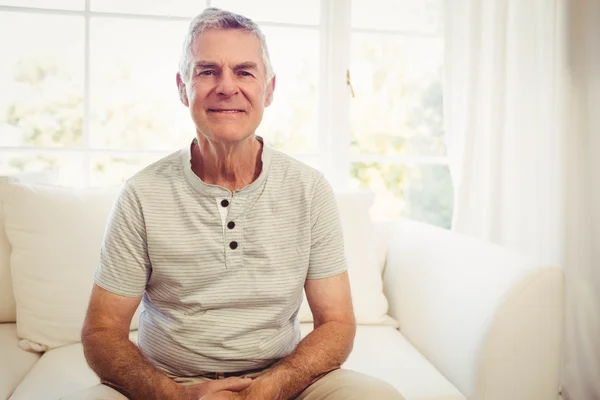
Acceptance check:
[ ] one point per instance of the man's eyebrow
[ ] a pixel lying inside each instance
(213, 65)
(206, 64)
(246, 65)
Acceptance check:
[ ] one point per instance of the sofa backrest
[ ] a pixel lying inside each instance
(56, 234)
(8, 311)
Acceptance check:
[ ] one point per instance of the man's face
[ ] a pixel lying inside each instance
(227, 92)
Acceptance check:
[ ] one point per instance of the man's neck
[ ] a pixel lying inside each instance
(232, 166)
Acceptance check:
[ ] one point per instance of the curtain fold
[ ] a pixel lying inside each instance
(522, 114)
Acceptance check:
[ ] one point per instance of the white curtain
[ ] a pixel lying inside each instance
(522, 111)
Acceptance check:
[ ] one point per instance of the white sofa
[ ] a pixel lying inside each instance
(466, 319)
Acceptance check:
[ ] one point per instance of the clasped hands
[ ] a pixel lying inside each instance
(233, 388)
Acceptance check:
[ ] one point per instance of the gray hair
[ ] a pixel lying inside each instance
(215, 18)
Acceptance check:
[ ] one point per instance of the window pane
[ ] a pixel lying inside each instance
(306, 12)
(419, 192)
(41, 76)
(134, 100)
(182, 8)
(291, 122)
(398, 107)
(402, 15)
(114, 170)
(55, 4)
(67, 169)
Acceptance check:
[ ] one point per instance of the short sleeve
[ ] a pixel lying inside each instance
(327, 257)
(124, 267)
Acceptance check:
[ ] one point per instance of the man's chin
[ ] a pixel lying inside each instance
(229, 136)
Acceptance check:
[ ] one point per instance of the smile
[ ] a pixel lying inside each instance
(225, 111)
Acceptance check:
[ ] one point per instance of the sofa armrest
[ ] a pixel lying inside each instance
(489, 320)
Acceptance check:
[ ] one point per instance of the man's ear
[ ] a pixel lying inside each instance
(270, 90)
(182, 91)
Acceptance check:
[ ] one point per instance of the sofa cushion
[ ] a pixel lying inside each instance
(363, 255)
(383, 352)
(55, 235)
(379, 351)
(8, 311)
(59, 372)
(14, 362)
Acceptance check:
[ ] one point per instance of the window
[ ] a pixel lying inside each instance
(397, 146)
(88, 91)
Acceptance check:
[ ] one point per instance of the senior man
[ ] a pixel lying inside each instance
(218, 240)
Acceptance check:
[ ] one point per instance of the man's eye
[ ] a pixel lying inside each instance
(245, 73)
(207, 72)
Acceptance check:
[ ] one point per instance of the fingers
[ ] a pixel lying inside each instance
(222, 395)
(234, 384)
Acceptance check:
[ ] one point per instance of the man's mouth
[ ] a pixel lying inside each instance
(225, 110)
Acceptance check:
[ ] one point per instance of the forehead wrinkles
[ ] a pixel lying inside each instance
(227, 47)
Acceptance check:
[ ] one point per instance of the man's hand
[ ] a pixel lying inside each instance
(223, 395)
(261, 389)
(217, 389)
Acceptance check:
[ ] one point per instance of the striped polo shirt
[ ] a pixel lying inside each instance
(220, 273)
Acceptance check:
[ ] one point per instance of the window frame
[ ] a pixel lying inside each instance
(335, 33)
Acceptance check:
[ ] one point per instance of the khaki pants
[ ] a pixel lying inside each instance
(341, 384)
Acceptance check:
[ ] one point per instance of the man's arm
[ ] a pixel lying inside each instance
(115, 359)
(124, 266)
(120, 364)
(320, 352)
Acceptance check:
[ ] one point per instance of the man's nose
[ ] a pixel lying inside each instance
(226, 85)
